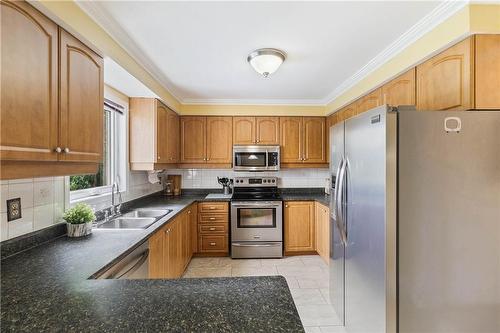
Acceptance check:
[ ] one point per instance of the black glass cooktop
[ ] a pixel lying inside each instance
(249, 194)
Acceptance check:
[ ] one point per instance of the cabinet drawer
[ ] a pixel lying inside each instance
(213, 218)
(205, 207)
(212, 229)
(213, 243)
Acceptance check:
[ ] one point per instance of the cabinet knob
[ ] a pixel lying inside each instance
(212, 229)
(212, 218)
(258, 141)
(286, 206)
(58, 150)
(159, 157)
(212, 244)
(189, 212)
(66, 150)
(212, 207)
(207, 159)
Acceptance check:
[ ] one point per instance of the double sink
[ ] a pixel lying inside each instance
(137, 219)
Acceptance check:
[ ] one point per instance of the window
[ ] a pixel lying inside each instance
(111, 167)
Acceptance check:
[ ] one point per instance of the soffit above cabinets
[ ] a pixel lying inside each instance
(198, 50)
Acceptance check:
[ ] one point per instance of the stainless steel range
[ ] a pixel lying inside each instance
(256, 218)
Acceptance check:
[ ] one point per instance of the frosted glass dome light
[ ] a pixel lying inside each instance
(266, 61)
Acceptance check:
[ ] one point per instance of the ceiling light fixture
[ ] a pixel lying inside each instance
(266, 61)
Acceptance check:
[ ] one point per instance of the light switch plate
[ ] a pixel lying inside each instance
(13, 209)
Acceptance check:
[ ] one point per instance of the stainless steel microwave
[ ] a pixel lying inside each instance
(256, 158)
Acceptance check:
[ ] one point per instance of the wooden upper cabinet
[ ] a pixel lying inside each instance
(487, 72)
(401, 90)
(154, 134)
(299, 226)
(256, 130)
(193, 139)
(370, 101)
(291, 139)
(267, 130)
(81, 100)
(445, 82)
(219, 139)
(29, 80)
(314, 140)
(173, 137)
(161, 134)
(244, 130)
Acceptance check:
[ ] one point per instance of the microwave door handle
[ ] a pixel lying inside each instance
(267, 159)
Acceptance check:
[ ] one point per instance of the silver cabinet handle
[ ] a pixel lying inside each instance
(213, 244)
(66, 150)
(212, 229)
(58, 150)
(212, 218)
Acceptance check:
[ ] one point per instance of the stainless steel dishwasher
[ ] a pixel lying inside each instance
(134, 266)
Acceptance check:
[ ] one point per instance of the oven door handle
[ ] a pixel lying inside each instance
(253, 245)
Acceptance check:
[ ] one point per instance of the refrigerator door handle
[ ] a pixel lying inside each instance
(340, 210)
(335, 191)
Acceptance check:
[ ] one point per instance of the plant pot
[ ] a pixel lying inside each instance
(79, 230)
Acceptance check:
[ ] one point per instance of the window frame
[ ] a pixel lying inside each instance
(115, 158)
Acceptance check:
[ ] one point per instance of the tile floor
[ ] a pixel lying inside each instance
(307, 278)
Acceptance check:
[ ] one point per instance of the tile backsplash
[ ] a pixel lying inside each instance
(42, 204)
(207, 178)
(43, 201)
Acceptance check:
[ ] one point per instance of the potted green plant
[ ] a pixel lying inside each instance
(79, 220)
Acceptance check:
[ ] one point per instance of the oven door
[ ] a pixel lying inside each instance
(256, 221)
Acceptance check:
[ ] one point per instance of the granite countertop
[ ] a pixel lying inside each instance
(47, 289)
(305, 196)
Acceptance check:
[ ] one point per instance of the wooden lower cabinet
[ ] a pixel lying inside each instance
(323, 231)
(299, 226)
(156, 265)
(213, 228)
(170, 248)
(193, 223)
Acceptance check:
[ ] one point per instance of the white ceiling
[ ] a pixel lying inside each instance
(198, 50)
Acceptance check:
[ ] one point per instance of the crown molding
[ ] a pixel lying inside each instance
(440, 14)
(109, 24)
(228, 101)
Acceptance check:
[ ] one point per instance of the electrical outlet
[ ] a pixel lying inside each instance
(13, 209)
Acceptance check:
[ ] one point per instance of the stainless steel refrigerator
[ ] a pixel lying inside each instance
(415, 221)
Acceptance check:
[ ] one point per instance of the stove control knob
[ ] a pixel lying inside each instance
(274, 180)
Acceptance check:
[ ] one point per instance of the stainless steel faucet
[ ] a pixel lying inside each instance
(115, 209)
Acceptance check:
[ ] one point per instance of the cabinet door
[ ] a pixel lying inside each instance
(444, 82)
(244, 130)
(172, 137)
(29, 76)
(162, 136)
(299, 226)
(314, 140)
(219, 139)
(193, 135)
(370, 101)
(487, 65)
(174, 250)
(267, 130)
(193, 220)
(156, 252)
(322, 232)
(81, 100)
(349, 111)
(401, 90)
(291, 139)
